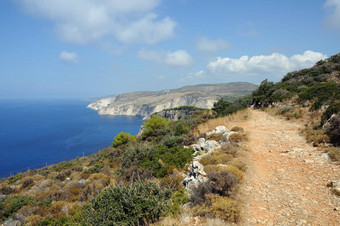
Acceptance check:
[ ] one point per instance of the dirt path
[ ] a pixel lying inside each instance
(286, 180)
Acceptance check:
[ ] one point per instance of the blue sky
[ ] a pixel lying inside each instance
(80, 49)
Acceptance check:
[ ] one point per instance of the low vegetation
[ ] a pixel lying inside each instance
(136, 181)
(310, 94)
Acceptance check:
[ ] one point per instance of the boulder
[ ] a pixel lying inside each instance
(218, 130)
(211, 145)
(201, 142)
(332, 129)
(195, 176)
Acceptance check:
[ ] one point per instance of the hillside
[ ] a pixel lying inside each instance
(272, 166)
(147, 103)
(311, 94)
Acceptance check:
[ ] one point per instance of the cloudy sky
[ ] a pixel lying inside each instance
(89, 48)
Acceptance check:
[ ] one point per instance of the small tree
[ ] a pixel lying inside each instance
(123, 138)
(154, 125)
(220, 106)
(262, 96)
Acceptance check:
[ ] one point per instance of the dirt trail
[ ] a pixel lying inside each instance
(286, 180)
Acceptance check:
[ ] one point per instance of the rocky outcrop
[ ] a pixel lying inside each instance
(146, 103)
(332, 129)
(177, 114)
(196, 173)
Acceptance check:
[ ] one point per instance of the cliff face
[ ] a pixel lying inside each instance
(146, 103)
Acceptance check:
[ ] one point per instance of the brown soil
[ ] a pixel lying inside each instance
(286, 179)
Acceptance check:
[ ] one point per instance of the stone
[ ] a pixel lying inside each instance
(218, 130)
(12, 222)
(325, 157)
(82, 181)
(196, 147)
(64, 209)
(221, 130)
(211, 145)
(201, 142)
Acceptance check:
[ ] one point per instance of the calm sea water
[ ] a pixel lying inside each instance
(36, 133)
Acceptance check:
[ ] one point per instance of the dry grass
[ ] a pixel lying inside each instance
(236, 137)
(214, 168)
(334, 153)
(317, 137)
(224, 121)
(216, 158)
(219, 207)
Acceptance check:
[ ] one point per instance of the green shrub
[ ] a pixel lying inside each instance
(223, 107)
(178, 199)
(123, 138)
(159, 159)
(13, 204)
(321, 92)
(262, 96)
(154, 125)
(220, 106)
(163, 158)
(138, 204)
(15, 178)
(95, 169)
(63, 166)
(180, 128)
(171, 141)
(50, 221)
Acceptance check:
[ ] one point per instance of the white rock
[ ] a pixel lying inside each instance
(64, 209)
(196, 147)
(201, 142)
(211, 145)
(221, 130)
(325, 157)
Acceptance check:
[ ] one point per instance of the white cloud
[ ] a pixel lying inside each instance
(83, 21)
(275, 64)
(333, 18)
(69, 57)
(196, 76)
(161, 77)
(209, 45)
(147, 30)
(177, 58)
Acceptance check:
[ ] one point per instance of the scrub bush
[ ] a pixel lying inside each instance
(138, 204)
(123, 138)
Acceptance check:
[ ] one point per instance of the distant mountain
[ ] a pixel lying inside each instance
(145, 103)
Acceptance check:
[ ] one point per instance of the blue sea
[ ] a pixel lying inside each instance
(36, 133)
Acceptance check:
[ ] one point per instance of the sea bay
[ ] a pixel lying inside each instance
(34, 133)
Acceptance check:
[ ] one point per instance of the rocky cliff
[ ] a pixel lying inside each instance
(146, 103)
